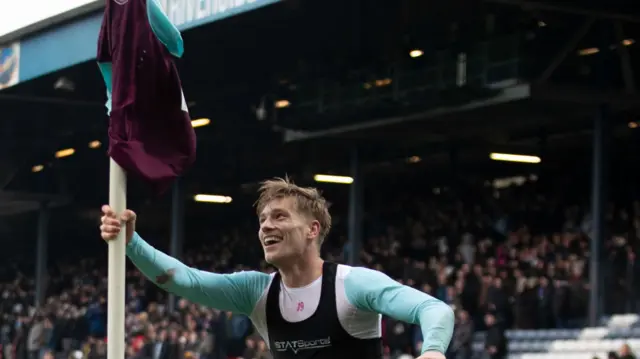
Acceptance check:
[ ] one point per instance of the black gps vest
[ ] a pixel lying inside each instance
(321, 336)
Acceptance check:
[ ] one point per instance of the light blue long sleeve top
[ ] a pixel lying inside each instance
(238, 292)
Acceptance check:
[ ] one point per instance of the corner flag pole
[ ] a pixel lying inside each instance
(117, 267)
(156, 162)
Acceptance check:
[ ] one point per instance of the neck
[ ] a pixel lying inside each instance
(302, 272)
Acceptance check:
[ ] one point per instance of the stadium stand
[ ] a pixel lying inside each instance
(524, 272)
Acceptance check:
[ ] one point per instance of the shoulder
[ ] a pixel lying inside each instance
(357, 284)
(343, 271)
(348, 272)
(361, 276)
(362, 284)
(252, 281)
(249, 286)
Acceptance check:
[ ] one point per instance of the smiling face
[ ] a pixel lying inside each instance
(294, 221)
(286, 233)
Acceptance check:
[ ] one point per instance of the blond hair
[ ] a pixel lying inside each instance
(308, 201)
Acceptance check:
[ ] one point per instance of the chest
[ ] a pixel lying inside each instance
(318, 322)
(305, 324)
(308, 314)
(299, 304)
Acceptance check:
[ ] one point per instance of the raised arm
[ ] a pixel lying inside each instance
(374, 291)
(237, 292)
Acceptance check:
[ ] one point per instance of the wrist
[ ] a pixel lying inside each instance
(432, 354)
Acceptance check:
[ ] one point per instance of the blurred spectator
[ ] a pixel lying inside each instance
(460, 347)
(495, 345)
(626, 353)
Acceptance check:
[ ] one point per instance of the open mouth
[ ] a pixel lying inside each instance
(271, 240)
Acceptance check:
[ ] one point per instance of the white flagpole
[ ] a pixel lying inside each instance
(117, 262)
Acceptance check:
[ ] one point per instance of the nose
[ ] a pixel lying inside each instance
(266, 226)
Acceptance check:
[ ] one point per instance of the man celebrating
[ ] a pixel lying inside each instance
(309, 308)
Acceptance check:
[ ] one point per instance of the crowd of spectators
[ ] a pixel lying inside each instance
(513, 258)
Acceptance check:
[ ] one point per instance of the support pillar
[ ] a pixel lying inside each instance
(598, 203)
(41, 255)
(604, 78)
(543, 149)
(355, 211)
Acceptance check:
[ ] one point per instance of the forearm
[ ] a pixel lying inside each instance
(436, 323)
(160, 268)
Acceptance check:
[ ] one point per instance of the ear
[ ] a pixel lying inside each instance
(314, 230)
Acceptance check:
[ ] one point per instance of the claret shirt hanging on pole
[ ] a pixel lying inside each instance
(150, 131)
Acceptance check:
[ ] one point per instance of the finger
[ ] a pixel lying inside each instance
(109, 229)
(107, 211)
(106, 229)
(110, 221)
(128, 215)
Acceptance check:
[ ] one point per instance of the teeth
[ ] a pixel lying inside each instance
(271, 240)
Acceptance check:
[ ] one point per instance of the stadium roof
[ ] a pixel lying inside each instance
(341, 65)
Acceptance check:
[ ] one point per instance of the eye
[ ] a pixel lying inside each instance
(281, 216)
